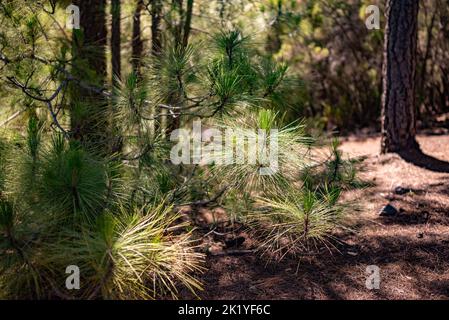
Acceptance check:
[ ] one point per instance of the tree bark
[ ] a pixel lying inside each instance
(181, 33)
(137, 44)
(88, 120)
(177, 21)
(93, 34)
(117, 140)
(400, 54)
(156, 33)
(115, 41)
(182, 26)
(187, 23)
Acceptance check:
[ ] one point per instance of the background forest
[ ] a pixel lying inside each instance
(87, 117)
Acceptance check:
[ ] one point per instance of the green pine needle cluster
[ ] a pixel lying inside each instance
(107, 202)
(64, 206)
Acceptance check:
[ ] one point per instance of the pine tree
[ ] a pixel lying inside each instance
(137, 44)
(88, 121)
(115, 40)
(398, 101)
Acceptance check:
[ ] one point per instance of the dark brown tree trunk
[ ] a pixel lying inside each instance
(398, 100)
(156, 33)
(88, 116)
(156, 45)
(137, 44)
(115, 40)
(182, 24)
(181, 33)
(92, 38)
(176, 22)
(117, 141)
(187, 23)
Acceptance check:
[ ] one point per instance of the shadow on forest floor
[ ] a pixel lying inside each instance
(411, 248)
(422, 160)
(409, 270)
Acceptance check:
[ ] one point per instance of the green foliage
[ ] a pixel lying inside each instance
(34, 133)
(292, 152)
(296, 221)
(75, 208)
(223, 79)
(20, 268)
(334, 171)
(272, 75)
(232, 46)
(3, 155)
(65, 200)
(73, 215)
(60, 178)
(6, 215)
(131, 98)
(227, 86)
(78, 181)
(130, 253)
(171, 74)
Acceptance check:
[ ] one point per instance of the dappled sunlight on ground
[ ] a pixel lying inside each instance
(411, 248)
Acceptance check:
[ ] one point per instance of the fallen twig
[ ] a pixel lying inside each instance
(11, 118)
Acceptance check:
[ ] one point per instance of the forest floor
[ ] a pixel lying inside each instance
(411, 248)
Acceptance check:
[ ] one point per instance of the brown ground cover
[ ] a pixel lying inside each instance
(411, 248)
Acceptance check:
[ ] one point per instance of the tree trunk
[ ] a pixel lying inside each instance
(93, 34)
(176, 23)
(182, 24)
(115, 41)
(181, 33)
(137, 44)
(398, 100)
(187, 23)
(88, 113)
(117, 140)
(156, 34)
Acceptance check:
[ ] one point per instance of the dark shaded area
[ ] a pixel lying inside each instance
(412, 260)
(414, 208)
(335, 275)
(418, 158)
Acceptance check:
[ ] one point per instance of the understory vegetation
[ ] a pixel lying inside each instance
(87, 176)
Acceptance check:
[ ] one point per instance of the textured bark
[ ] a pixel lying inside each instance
(177, 21)
(398, 100)
(188, 23)
(117, 141)
(181, 34)
(156, 33)
(93, 28)
(88, 120)
(182, 24)
(137, 44)
(115, 40)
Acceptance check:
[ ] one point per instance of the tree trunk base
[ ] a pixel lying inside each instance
(391, 147)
